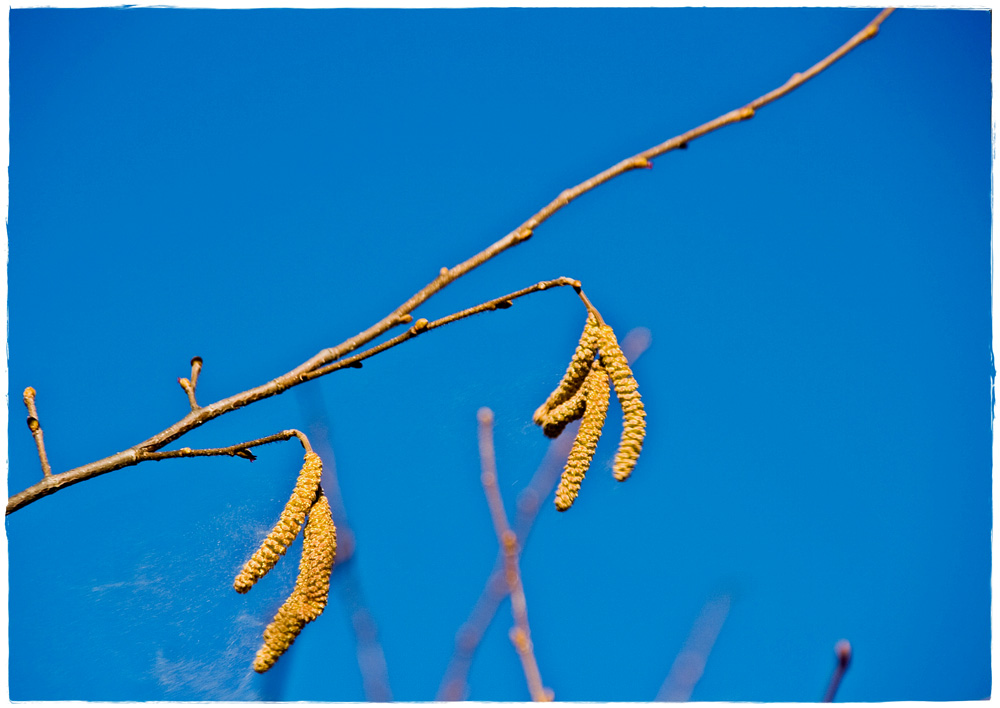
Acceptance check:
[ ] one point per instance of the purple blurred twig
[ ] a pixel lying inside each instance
(690, 663)
(843, 651)
(371, 659)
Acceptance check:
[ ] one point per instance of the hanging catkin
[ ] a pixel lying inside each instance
(319, 549)
(598, 394)
(633, 412)
(288, 526)
(579, 366)
(312, 587)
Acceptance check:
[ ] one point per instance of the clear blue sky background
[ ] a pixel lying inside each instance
(254, 186)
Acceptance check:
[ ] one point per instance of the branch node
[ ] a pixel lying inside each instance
(419, 326)
(444, 271)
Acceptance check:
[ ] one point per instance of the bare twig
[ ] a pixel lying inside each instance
(35, 426)
(470, 634)
(190, 385)
(520, 633)
(401, 314)
(843, 651)
(420, 326)
(238, 450)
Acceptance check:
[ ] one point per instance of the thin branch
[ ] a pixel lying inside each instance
(190, 385)
(401, 314)
(238, 450)
(470, 634)
(35, 426)
(422, 325)
(520, 633)
(843, 651)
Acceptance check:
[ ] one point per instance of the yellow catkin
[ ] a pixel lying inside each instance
(308, 599)
(319, 549)
(598, 394)
(633, 412)
(288, 526)
(280, 634)
(565, 413)
(577, 371)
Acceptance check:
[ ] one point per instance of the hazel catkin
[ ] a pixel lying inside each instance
(633, 412)
(598, 394)
(576, 372)
(319, 549)
(288, 526)
(312, 587)
(279, 635)
(556, 420)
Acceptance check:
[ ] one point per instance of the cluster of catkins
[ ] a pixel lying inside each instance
(319, 548)
(584, 392)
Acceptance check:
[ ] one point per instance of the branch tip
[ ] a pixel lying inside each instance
(35, 426)
(843, 651)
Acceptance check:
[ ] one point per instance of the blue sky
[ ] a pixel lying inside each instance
(251, 187)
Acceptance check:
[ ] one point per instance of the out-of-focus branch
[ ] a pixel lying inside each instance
(520, 633)
(690, 663)
(843, 651)
(347, 581)
(470, 634)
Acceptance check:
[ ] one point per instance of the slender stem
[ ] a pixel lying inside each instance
(520, 634)
(422, 325)
(35, 426)
(401, 314)
(238, 450)
(843, 651)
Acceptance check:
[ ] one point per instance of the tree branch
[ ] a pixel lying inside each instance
(401, 315)
(198, 416)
